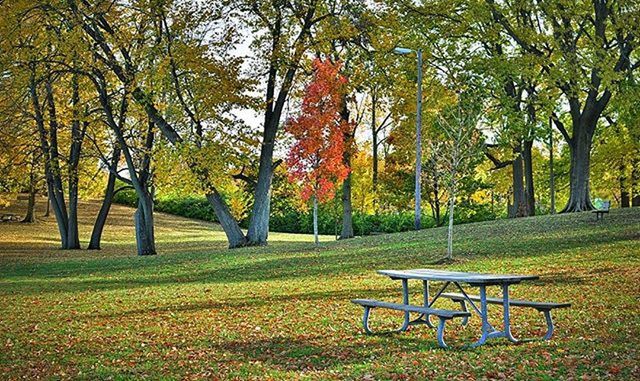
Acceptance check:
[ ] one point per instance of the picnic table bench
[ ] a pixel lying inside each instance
(456, 278)
(443, 315)
(600, 212)
(544, 307)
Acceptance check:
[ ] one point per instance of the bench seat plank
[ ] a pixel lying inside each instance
(448, 314)
(512, 302)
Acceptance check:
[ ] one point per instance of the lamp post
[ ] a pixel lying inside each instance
(418, 190)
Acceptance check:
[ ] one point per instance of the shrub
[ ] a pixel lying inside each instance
(289, 220)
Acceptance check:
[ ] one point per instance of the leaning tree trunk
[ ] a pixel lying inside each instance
(258, 231)
(143, 218)
(101, 220)
(229, 224)
(579, 197)
(529, 192)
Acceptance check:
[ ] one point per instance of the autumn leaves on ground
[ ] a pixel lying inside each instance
(199, 311)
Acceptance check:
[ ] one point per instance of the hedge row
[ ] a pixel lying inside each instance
(298, 222)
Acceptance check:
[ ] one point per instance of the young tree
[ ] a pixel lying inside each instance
(316, 157)
(463, 145)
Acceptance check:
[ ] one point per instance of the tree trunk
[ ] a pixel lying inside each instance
(30, 216)
(579, 197)
(347, 210)
(53, 169)
(374, 145)
(519, 208)
(452, 202)
(47, 213)
(98, 226)
(528, 177)
(436, 202)
(635, 182)
(235, 236)
(624, 193)
(72, 229)
(315, 219)
(77, 135)
(143, 218)
(258, 231)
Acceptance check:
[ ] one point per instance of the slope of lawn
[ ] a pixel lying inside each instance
(199, 311)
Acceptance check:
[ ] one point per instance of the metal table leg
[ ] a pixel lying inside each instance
(505, 313)
(424, 318)
(405, 300)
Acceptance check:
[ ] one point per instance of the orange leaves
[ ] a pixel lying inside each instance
(316, 157)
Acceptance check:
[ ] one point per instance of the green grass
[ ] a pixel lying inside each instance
(198, 310)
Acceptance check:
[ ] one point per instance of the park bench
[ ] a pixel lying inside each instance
(600, 212)
(443, 315)
(544, 307)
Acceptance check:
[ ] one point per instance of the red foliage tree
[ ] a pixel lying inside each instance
(316, 157)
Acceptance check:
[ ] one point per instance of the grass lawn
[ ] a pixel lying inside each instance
(199, 311)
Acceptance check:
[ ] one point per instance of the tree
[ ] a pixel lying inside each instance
(462, 146)
(585, 49)
(316, 157)
(285, 34)
(203, 83)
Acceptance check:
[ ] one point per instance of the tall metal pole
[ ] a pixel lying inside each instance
(418, 216)
(552, 189)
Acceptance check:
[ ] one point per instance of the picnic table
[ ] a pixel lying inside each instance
(457, 279)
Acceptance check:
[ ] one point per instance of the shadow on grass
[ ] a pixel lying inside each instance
(248, 266)
(343, 297)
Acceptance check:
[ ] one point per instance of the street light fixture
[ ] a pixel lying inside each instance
(418, 211)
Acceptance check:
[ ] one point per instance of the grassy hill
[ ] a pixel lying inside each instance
(198, 310)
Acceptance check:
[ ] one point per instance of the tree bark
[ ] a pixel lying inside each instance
(315, 219)
(143, 218)
(635, 183)
(374, 145)
(77, 136)
(622, 180)
(347, 209)
(528, 178)
(101, 219)
(30, 216)
(580, 147)
(47, 212)
(234, 234)
(519, 208)
(258, 231)
(49, 147)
